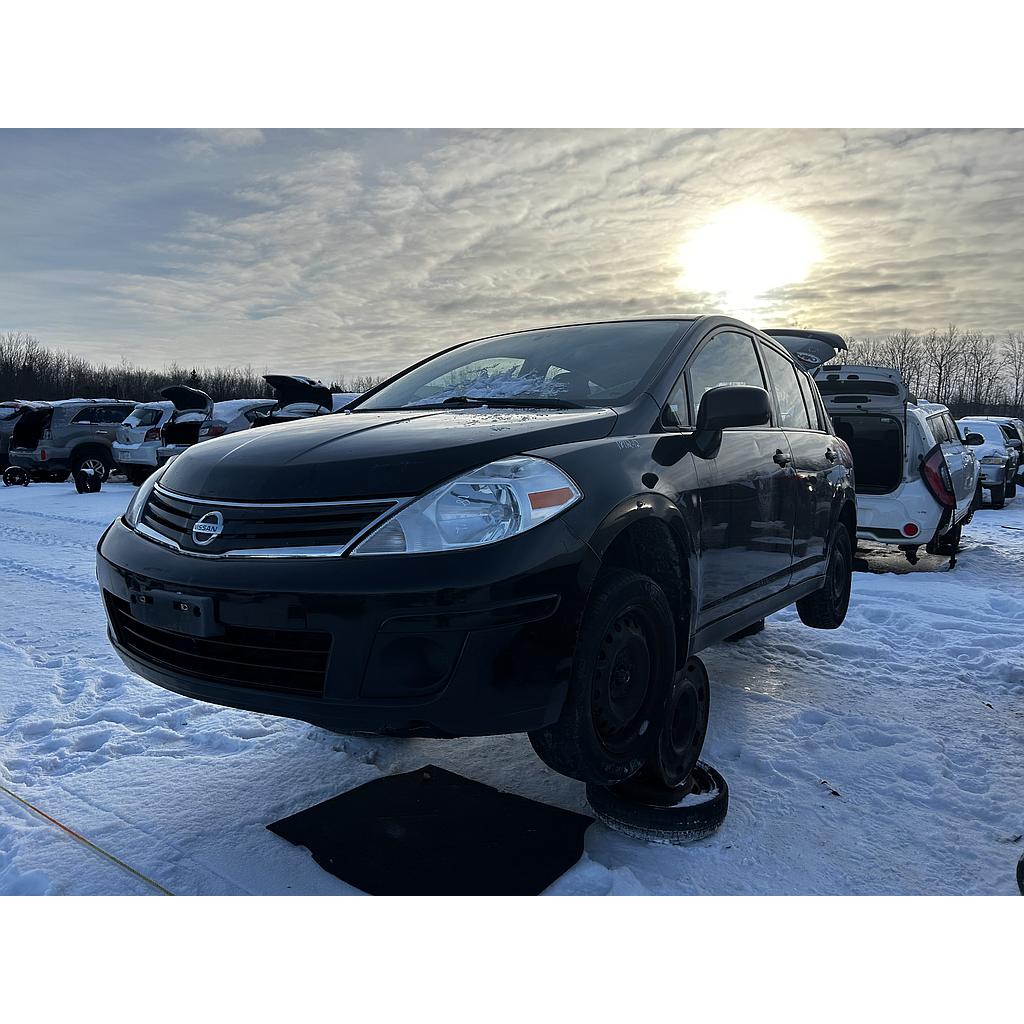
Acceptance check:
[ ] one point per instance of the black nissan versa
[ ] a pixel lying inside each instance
(527, 533)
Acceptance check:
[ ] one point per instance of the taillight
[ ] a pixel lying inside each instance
(42, 454)
(214, 430)
(153, 434)
(937, 479)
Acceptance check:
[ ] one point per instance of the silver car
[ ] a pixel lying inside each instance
(138, 439)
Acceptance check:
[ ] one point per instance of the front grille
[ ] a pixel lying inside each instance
(281, 660)
(262, 527)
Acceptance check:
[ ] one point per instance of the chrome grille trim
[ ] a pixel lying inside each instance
(284, 551)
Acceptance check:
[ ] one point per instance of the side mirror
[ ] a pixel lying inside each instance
(732, 406)
(1013, 444)
(973, 440)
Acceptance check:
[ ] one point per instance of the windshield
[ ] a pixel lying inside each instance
(592, 364)
(988, 430)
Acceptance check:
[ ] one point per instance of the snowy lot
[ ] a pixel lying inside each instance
(884, 757)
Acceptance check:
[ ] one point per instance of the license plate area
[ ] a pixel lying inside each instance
(178, 613)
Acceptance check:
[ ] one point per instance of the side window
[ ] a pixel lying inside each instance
(84, 415)
(787, 390)
(937, 426)
(725, 358)
(808, 387)
(951, 428)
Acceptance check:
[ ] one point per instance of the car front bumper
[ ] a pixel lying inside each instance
(476, 642)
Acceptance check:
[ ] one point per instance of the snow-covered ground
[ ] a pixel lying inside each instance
(884, 757)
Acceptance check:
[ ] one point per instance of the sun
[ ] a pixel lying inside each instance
(746, 251)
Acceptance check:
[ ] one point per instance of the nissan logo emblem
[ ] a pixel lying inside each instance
(207, 528)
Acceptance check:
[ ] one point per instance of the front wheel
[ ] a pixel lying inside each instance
(826, 608)
(998, 496)
(621, 680)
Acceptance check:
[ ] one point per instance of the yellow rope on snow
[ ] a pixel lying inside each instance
(85, 842)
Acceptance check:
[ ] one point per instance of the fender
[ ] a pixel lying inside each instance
(639, 507)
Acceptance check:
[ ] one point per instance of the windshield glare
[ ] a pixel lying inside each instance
(592, 364)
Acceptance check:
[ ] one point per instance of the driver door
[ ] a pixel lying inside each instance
(746, 535)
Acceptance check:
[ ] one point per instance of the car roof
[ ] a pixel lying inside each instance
(62, 402)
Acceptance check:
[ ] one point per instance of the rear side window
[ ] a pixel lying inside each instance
(86, 415)
(726, 358)
(808, 387)
(938, 428)
(788, 392)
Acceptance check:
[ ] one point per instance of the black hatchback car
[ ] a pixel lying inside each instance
(526, 533)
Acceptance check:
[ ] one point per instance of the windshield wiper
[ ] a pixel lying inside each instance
(497, 402)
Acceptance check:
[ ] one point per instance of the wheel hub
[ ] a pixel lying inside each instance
(622, 679)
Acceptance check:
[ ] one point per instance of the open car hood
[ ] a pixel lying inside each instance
(811, 348)
(186, 399)
(294, 390)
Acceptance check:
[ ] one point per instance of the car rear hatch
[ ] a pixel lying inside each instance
(192, 408)
(297, 397)
(811, 348)
(142, 423)
(868, 409)
(30, 427)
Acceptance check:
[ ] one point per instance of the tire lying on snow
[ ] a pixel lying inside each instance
(643, 809)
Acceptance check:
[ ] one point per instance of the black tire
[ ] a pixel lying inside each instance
(826, 608)
(1020, 875)
(664, 814)
(137, 475)
(621, 680)
(997, 495)
(1011, 486)
(96, 459)
(948, 543)
(685, 725)
(15, 476)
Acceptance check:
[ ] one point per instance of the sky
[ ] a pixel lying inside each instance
(357, 252)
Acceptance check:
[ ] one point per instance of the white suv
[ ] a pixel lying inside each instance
(917, 482)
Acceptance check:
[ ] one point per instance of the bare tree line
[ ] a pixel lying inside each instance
(32, 371)
(971, 372)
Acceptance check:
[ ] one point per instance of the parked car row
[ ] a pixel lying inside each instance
(52, 440)
(920, 474)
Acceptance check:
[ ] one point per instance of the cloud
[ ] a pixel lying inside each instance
(361, 252)
(205, 142)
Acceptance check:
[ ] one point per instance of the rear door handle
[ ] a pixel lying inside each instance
(782, 458)
(831, 455)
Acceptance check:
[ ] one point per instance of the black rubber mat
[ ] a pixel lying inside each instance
(434, 833)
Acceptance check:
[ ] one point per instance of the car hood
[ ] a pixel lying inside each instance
(982, 450)
(396, 453)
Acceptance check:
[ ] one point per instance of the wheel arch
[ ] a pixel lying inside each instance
(650, 534)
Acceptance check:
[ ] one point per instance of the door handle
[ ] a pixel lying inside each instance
(781, 458)
(831, 455)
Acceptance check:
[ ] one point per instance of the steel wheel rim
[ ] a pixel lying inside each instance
(622, 680)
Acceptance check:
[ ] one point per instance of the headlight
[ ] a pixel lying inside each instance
(133, 513)
(993, 460)
(493, 503)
